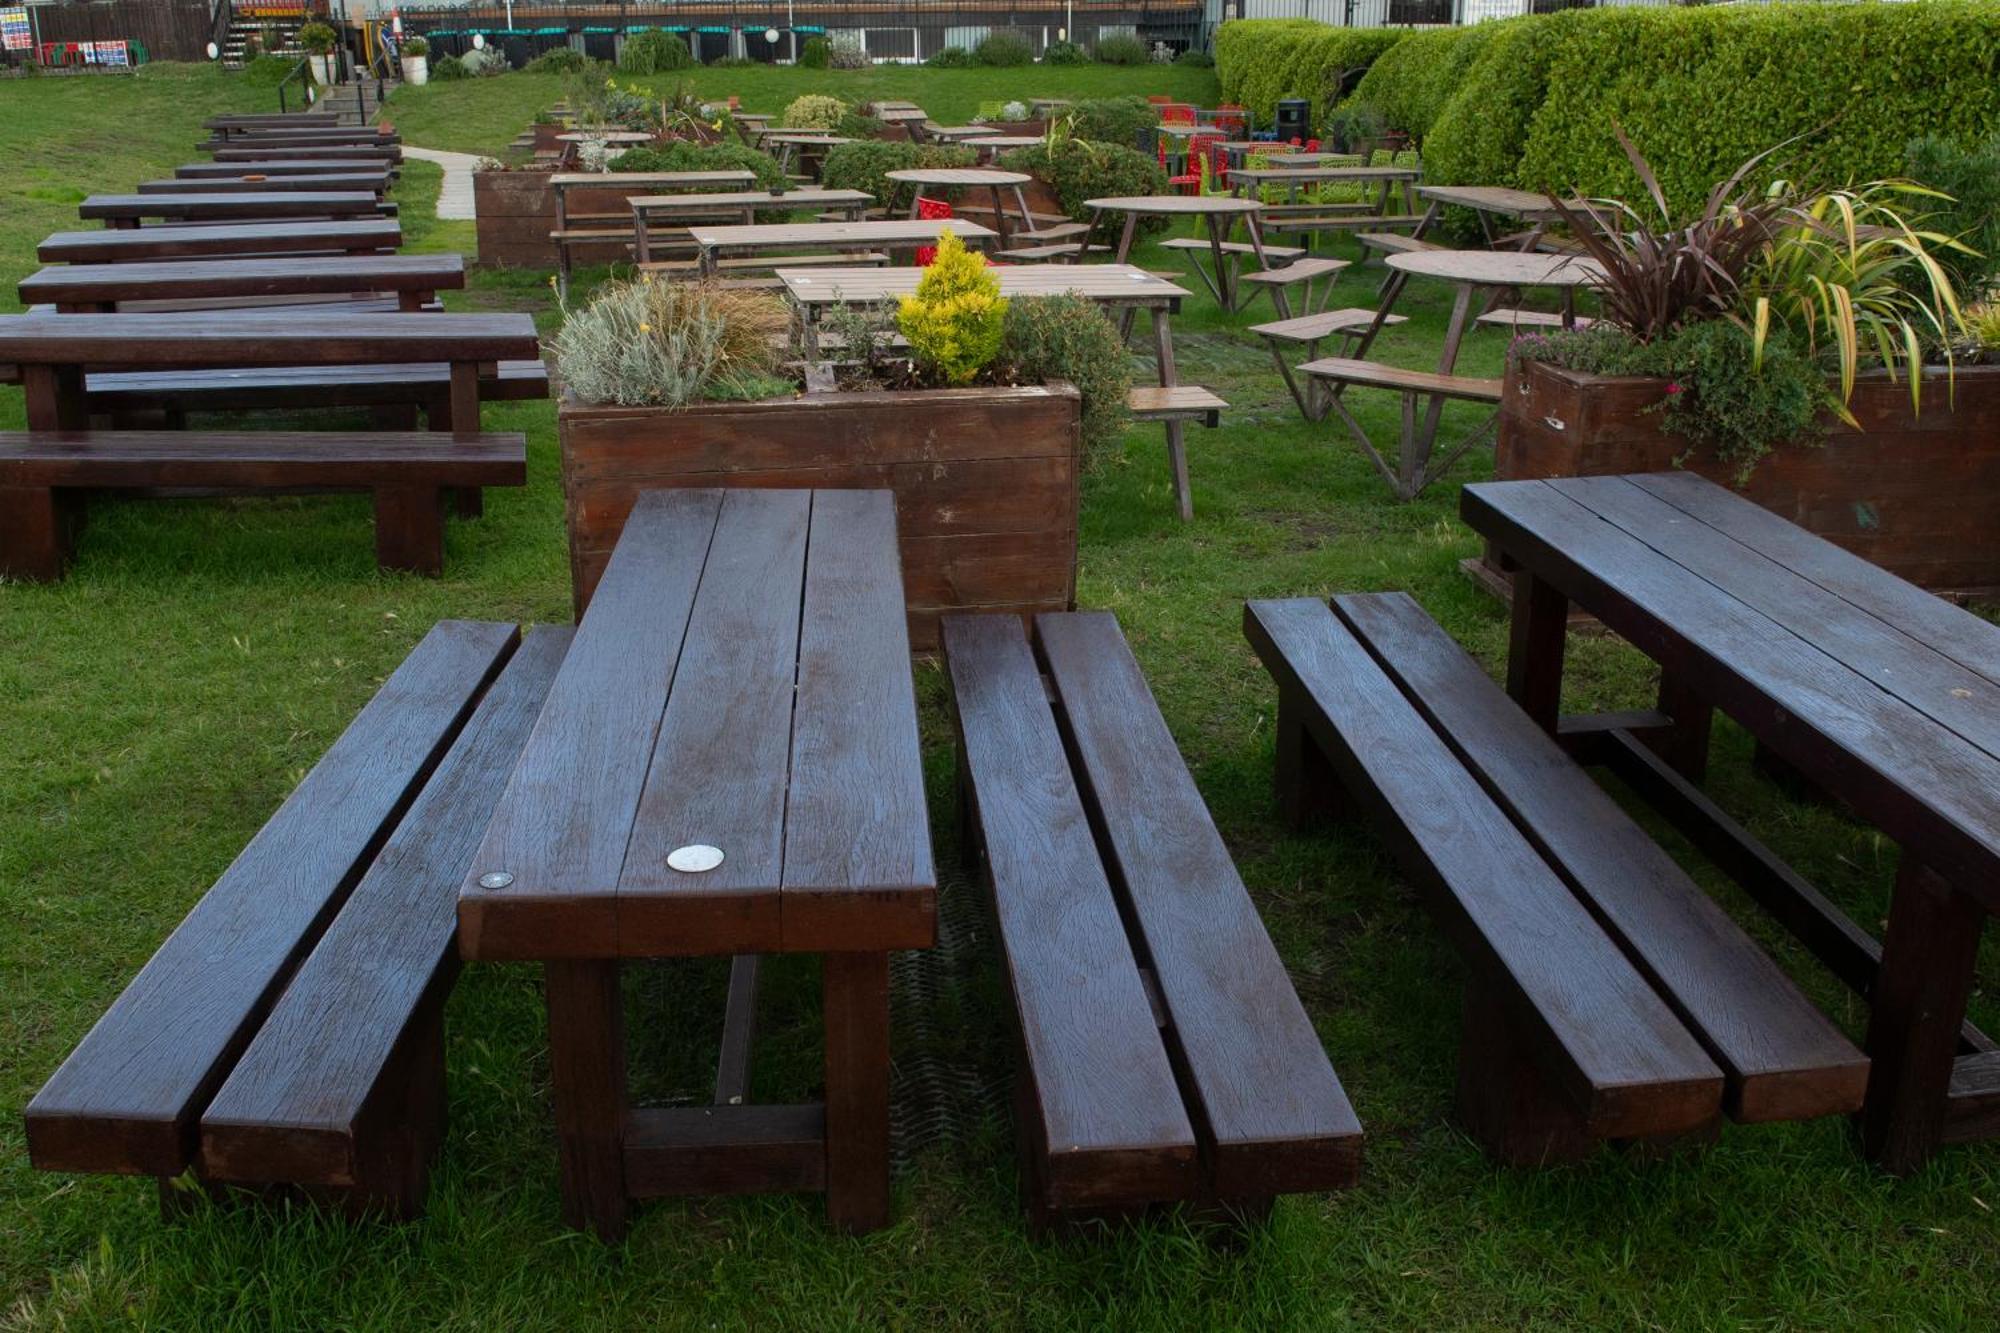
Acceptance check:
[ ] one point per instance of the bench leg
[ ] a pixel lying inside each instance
(402, 1127)
(37, 526)
(856, 998)
(1503, 1099)
(587, 1068)
(409, 529)
(1308, 790)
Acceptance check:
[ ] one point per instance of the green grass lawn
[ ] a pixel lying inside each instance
(160, 703)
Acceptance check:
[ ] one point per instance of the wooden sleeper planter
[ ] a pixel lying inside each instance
(985, 479)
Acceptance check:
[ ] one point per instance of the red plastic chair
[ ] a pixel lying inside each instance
(1176, 113)
(931, 210)
(1188, 184)
(1218, 162)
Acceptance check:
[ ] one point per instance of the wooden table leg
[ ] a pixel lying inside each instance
(1126, 236)
(1225, 277)
(55, 398)
(1163, 351)
(856, 991)
(1685, 744)
(1916, 1006)
(587, 1069)
(1454, 334)
(1536, 640)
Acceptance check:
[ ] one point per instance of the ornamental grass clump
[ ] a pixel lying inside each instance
(955, 320)
(669, 344)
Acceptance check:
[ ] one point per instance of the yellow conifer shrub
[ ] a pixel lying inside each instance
(955, 320)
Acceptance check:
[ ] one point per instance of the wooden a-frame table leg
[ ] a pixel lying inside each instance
(587, 1069)
(856, 1000)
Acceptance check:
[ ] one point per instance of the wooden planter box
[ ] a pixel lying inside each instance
(516, 211)
(1916, 493)
(985, 481)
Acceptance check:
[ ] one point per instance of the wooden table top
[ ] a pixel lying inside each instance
(1499, 268)
(1888, 696)
(1192, 131)
(612, 180)
(1524, 204)
(805, 137)
(960, 131)
(1187, 205)
(1285, 172)
(1112, 284)
(292, 336)
(296, 203)
(741, 683)
(313, 166)
(1286, 155)
(320, 183)
(111, 246)
(695, 203)
(254, 119)
(901, 114)
(1000, 141)
(753, 117)
(606, 136)
(921, 231)
(163, 280)
(250, 150)
(949, 176)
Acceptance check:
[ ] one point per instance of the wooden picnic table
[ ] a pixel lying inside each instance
(249, 123)
(995, 183)
(1489, 202)
(125, 211)
(250, 150)
(112, 246)
(311, 166)
(1292, 177)
(728, 764)
(740, 205)
(958, 133)
(902, 115)
(712, 241)
(376, 180)
(53, 351)
(790, 144)
(1218, 214)
(83, 288)
(1885, 698)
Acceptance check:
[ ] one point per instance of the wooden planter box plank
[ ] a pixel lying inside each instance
(516, 210)
(1916, 493)
(986, 481)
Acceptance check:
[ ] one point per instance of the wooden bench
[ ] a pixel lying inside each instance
(1608, 997)
(1300, 274)
(348, 236)
(376, 180)
(1173, 406)
(1414, 468)
(76, 288)
(43, 478)
(397, 392)
(1164, 1054)
(691, 268)
(290, 1032)
(1516, 319)
(1309, 331)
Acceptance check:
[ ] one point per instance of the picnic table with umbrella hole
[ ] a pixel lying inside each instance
(727, 765)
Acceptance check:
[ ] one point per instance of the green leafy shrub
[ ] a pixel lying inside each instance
(684, 156)
(318, 38)
(1119, 120)
(1195, 58)
(955, 319)
(1970, 177)
(1068, 337)
(1122, 49)
(669, 344)
(446, 68)
(1064, 53)
(865, 165)
(558, 60)
(653, 52)
(952, 57)
(1262, 60)
(1409, 84)
(847, 54)
(815, 53)
(484, 63)
(1076, 170)
(813, 111)
(414, 46)
(854, 125)
(1003, 48)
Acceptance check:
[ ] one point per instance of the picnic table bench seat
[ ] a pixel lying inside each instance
(1296, 278)
(289, 1032)
(1309, 331)
(419, 385)
(370, 235)
(1165, 1056)
(44, 477)
(1608, 997)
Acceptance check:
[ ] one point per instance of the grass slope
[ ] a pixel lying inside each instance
(161, 702)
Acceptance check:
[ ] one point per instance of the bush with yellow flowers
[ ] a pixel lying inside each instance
(955, 320)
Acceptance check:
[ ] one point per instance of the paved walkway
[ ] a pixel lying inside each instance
(455, 198)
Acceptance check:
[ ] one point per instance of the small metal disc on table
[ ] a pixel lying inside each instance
(694, 858)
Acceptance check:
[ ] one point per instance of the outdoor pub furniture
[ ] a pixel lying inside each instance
(1488, 202)
(738, 205)
(995, 183)
(611, 227)
(1218, 213)
(727, 765)
(712, 242)
(351, 236)
(1880, 695)
(317, 166)
(415, 279)
(126, 210)
(378, 181)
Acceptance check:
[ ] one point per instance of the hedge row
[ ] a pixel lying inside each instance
(1262, 60)
(1532, 101)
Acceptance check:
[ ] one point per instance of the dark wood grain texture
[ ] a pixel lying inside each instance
(342, 236)
(165, 280)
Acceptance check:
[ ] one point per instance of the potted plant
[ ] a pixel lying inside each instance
(416, 62)
(1803, 346)
(318, 40)
(977, 426)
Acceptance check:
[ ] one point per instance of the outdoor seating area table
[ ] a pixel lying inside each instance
(371, 235)
(959, 133)
(649, 210)
(317, 166)
(656, 182)
(378, 181)
(1283, 172)
(80, 288)
(613, 138)
(727, 765)
(1489, 202)
(1882, 696)
(789, 145)
(989, 146)
(995, 183)
(1218, 214)
(782, 238)
(127, 210)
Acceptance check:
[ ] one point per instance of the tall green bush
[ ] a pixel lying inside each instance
(682, 155)
(866, 164)
(1409, 84)
(1118, 120)
(653, 52)
(1077, 170)
(1262, 60)
(1479, 134)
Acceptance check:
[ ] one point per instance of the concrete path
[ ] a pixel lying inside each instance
(455, 198)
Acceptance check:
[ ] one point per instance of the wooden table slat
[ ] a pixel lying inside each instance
(162, 280)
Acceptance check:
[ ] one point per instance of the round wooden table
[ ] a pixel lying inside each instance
(1219, 214)
(968, 178)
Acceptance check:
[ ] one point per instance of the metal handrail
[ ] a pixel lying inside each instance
(303, 73)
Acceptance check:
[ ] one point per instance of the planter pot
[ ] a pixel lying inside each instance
(1917, 493)
(322, 68)
(985, 481)
(516, 210)
(416, 70)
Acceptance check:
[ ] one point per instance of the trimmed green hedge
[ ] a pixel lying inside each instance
(1262, 60)
(866, 163)
(1532, 101)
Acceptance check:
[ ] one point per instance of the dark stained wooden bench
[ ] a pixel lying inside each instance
(257, 183)
(279, 167)
(114, 246)
(77, 288)
(44, 478)
(1165, 1055)
(127, 211)
(397, 391)
(1609, 998)
(289, 1033)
